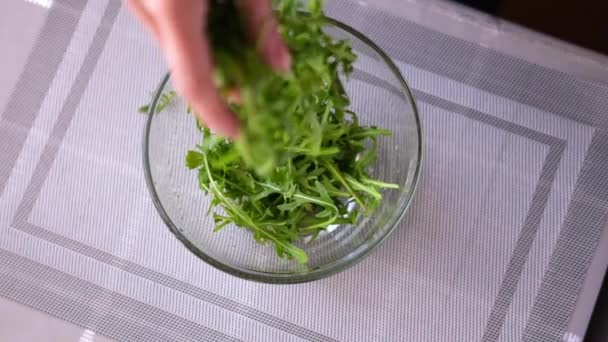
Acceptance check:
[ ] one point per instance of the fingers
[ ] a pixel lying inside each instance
(143, 15)
(260, 21)
(179, 28)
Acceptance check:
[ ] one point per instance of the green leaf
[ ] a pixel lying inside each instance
(194, 160)
(144, 109)
(301, 159)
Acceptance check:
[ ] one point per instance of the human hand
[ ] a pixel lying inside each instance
(179, 27)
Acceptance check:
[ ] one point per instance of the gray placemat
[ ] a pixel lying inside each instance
(496, 246)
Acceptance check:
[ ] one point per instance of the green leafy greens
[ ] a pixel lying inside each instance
(301, 162)
(163, 102)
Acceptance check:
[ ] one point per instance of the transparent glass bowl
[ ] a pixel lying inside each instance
(379, 95)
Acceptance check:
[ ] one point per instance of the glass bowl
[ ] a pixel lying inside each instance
(380, 96)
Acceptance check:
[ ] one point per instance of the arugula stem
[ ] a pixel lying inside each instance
(380, 184)
(347, 186)
(295, 252)
(301, 196)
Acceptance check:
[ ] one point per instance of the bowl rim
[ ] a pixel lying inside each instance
(332, 268)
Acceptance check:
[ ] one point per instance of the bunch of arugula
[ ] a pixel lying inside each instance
(301, 162)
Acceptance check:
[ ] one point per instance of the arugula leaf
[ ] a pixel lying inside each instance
(163, 102)
(194, 160)
(302, 159)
